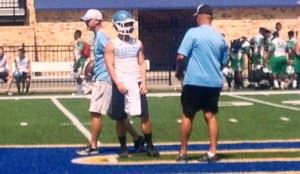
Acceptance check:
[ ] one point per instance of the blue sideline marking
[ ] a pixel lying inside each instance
(58, 160)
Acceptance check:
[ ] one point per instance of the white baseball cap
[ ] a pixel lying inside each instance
(92, 14)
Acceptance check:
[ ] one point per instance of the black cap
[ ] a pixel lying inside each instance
(203, 9)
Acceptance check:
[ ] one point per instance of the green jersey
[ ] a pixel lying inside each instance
(237, 62)
(297, 63)
(257, 50)
(291, 44)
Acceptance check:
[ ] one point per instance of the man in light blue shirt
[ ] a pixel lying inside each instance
(101, 86)
(206, 51)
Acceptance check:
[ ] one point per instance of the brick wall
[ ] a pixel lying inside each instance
(57, 27)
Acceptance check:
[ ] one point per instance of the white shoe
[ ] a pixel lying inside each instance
(294, 84)
(282, 85)
(276, 84)
(9, 93)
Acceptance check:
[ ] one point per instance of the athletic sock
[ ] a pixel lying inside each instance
(122, 141)
(148, 139)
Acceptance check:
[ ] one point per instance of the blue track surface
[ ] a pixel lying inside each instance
(58, 160)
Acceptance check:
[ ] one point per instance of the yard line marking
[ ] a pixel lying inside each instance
(234, 103)
(291, 102)
(73, 119)
(221, 143)
(284, 119)
(265, 102)
(163, 94)
(233, 120)
(70, 124)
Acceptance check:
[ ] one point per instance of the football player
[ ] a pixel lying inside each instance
(125, 62)
(278, 61)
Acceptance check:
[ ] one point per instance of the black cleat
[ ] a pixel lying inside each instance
(88, 150)
(139, 144)
(152, 151)
(123, 152)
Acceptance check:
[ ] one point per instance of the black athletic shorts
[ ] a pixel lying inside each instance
(3, 76)
(196, 98)
(117, 111)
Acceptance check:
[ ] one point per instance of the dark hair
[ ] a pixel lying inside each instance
(291, 33)
(2, 48)
(262, 30)
(78, 33)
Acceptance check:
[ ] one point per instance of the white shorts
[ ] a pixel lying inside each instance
(101, 97)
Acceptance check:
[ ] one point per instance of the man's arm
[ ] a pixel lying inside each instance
(9, 63)
(141, 60)
(180, 66)
(109, 61)
(297, 49)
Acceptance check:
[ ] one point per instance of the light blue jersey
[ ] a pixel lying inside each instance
(206, 51)
(100, 71)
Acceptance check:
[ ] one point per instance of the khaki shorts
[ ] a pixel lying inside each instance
(101, 97)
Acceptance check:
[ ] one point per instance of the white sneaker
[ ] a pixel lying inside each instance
(282, 85)
(276, 84)
(294, 84)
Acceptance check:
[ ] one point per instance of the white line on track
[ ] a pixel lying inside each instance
(73, 119)
(265, 102)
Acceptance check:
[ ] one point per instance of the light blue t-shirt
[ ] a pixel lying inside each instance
(100, 71)
(206, 51)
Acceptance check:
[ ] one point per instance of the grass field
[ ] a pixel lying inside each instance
(38, 120)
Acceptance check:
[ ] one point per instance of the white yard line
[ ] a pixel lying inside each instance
(158, 144)
(163, 94)
(265, 102)
(72, 118)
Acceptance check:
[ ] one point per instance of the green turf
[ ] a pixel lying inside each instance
(257, 122)
(79, 107)
(223, 156)
(278, 98)
(43, 120)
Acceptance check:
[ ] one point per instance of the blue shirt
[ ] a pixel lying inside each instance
(100, 71)
(206, 50)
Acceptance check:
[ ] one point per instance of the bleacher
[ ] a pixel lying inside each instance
(12, 11)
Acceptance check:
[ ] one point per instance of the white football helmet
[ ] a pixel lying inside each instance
(123, 22)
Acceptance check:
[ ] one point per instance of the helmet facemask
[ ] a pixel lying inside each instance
(125, 27)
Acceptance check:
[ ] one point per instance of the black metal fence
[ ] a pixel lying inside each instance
(64, 53)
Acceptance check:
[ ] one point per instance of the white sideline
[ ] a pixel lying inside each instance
(73, 119)
(158, 144)
(265, 102)
(162, 94)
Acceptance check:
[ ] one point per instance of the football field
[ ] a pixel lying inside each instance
(259, 132)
